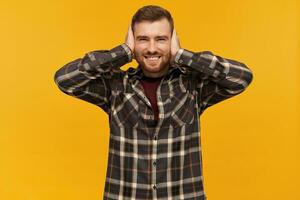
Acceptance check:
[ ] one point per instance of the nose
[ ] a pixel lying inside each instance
(152, 47)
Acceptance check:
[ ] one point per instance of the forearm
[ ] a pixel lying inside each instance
(96, 63)
(227, 73)
(93, 65)
(89, 78)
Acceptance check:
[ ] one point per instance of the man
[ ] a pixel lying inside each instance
(154, 109)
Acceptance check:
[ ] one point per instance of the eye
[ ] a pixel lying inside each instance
(142, 39)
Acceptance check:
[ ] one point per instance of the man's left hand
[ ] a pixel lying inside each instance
(175, 45)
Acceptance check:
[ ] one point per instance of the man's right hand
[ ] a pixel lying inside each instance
(130, 40)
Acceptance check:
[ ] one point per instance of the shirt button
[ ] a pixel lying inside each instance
(154, 163)
(154, 187)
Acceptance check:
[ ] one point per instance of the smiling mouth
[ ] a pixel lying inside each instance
(152, 58)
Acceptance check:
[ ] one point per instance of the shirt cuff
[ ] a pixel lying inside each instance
(178, 54)
(128, 51)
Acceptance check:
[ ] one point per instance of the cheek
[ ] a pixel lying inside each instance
(138, 55)
(138, 51)
(139, 46)
(167, 53)
(166, 50)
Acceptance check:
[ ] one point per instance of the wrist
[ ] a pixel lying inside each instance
(128, 50)
(177, 55)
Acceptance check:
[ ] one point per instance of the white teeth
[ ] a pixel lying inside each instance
(153, 57)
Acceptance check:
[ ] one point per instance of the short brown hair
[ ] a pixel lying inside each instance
(151, 13)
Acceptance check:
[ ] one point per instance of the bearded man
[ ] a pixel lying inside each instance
(153, 109)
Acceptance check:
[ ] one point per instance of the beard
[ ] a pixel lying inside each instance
(157, 66)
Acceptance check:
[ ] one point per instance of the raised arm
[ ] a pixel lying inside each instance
(89, 78)
(218, 78)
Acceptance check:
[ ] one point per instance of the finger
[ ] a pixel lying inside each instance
(127, 34)
(174, 33)
(176, 37)
(129, 29)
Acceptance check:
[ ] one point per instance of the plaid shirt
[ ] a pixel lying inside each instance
(148, 160)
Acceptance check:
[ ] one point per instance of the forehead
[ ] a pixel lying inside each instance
(160, 27)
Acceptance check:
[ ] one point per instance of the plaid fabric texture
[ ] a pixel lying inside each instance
(150, 160)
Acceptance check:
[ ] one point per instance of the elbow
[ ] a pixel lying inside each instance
(242, 81)
(248, 75)
(58, 78)
(60, 83)
(67, 77)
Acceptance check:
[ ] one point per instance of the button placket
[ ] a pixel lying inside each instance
(154, 163)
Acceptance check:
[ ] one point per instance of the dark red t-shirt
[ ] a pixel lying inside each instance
(150, 86)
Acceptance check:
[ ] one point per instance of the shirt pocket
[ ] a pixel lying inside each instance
(125, 110)
(183, 111)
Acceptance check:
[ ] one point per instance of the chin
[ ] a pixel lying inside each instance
(153, 69)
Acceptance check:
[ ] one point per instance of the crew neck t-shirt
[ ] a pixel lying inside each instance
(150, 86)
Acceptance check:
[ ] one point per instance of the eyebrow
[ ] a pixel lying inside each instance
(144, 36)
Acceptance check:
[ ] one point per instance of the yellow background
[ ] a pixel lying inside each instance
(53, 146)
